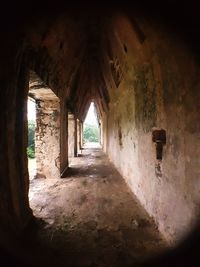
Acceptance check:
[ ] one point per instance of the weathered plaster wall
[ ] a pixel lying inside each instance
(155, 84)
(47, 139)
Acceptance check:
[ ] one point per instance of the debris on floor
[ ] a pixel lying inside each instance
(92, 218)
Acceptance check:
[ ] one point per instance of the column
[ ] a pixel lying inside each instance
(47, 139)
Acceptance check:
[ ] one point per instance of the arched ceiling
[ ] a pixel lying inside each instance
(67, 55)
(73, 51)
(88, 83)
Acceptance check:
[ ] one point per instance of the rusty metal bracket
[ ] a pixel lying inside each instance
(159, 137)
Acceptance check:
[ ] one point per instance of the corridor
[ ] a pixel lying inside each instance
(91, 218)
(139, 64)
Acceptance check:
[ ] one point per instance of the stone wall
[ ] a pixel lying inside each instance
(47, 139)
(15, 212)
(158, 89)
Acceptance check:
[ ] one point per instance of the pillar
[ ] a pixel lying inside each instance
(81, 135)
(78, 136)
(75, 137)
(47, 139)
(104, 132)
(100, 132)
(72, 135)
(64, 162)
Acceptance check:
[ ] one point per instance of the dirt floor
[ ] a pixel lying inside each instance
(91, 218)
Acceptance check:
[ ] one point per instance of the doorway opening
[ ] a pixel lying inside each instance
(91, 128)
(44, 140)
(31, 118)
(44, 125)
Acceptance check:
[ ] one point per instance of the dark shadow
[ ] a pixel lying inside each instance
(80, 155)
(88, 171)
(85, 245)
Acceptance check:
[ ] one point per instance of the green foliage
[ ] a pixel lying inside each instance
(31, 152)
(91, 133)
(31, 139)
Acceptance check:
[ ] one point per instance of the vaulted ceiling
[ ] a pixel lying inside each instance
(67, 56)
(73, 52)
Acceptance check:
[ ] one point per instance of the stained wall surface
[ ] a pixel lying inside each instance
(155, 86)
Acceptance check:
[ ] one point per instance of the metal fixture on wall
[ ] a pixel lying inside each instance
(159, 137)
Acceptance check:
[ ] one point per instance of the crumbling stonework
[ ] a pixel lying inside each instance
(47, 139)
(142, 75)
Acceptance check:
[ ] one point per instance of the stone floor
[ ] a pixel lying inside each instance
(91, 218)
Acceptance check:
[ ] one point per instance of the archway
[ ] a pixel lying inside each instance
(31, 116)
(47, 130)
(91, 128)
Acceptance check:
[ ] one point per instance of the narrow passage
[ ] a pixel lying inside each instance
(91, 218)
